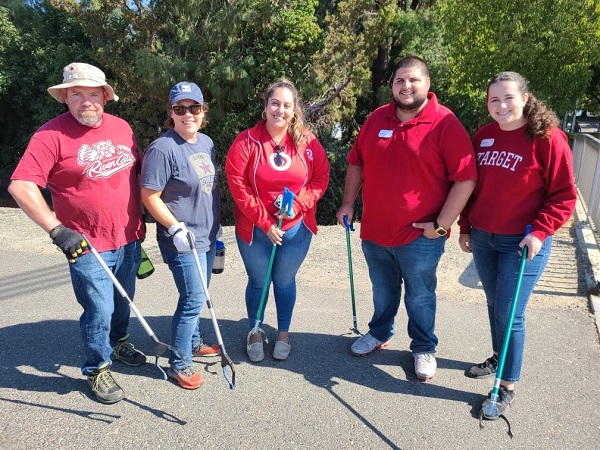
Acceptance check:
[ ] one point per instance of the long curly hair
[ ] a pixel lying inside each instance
(540, 119)
(297, 129)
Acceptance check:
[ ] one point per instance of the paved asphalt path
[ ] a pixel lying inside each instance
(320, 398)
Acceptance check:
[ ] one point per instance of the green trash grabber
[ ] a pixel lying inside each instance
(349, 228)
(286, 206)
(491, 410)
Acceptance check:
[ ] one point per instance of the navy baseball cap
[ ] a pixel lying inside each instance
(186, 91)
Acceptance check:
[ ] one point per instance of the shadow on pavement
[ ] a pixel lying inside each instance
(469, 277)
(34, 280)
(325, 361)
(324, 358)
(93, 415)
(34, 354)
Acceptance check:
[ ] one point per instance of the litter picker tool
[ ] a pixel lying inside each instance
(225, 359)
(350, 227)
(286, 206)
(159, 347)
(491, 410)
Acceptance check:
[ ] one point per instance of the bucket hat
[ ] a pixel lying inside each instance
(81, 74)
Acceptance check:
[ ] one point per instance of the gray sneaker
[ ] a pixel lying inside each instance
(505, 398)
(256, 351)
(484, 369)
(127, 353)
(281, 350)
(425, 366)
(105, 387)
(366, 344)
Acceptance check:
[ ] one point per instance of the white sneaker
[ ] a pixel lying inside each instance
(366, 344)
(425, 366)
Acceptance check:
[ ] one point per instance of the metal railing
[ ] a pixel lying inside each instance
(586, 166)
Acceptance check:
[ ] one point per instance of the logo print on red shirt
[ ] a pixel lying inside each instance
(103, 159)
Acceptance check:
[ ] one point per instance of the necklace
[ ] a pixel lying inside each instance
(278, 149)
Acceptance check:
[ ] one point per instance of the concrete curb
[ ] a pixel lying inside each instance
(587, 241)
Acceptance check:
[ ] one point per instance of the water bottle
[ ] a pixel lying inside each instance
(219, 264)
(146, 267)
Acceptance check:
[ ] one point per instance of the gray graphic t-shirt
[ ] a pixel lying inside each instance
(187, 176)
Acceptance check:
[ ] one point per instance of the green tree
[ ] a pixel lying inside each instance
(364, 40)
(232, 50)
(553, 43)
(37, 41)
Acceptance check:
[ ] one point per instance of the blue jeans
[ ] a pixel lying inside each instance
(288, 258)
(497, 262)
(185, 326)
(105, 315)
(415, 265)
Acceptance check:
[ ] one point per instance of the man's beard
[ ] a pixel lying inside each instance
(415, 104)
(89, 118)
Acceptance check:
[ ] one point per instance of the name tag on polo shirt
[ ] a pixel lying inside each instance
(487, 142)
(385, 133)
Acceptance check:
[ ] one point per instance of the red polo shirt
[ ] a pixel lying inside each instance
(408, 169)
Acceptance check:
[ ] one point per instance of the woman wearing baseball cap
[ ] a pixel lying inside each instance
(180, 190)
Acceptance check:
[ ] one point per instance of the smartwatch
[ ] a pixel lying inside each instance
(441, 231)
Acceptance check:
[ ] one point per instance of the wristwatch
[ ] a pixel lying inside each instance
(441, 231)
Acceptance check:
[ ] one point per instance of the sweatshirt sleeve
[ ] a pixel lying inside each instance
(315, 188)
(561, 195)
(238, 171)
(464, 224)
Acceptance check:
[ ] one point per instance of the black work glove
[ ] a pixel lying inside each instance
(69, 241)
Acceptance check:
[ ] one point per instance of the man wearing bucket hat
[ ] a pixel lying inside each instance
(90, 162)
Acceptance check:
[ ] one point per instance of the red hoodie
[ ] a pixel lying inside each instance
(255, 182)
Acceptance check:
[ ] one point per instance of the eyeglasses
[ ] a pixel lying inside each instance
(278, 157)
(181, 110)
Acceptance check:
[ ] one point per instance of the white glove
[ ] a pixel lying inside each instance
(180, 237)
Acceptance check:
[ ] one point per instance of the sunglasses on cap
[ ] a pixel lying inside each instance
(181, 110)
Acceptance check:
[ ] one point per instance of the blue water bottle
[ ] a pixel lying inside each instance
(219, 264)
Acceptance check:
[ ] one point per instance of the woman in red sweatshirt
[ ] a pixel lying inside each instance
(525, 178)
(278, 153)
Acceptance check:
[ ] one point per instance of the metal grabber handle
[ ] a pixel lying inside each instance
(225, 359)
(159, 347)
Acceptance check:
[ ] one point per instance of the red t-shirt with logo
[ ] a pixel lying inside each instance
(408, 169)
(92, 177)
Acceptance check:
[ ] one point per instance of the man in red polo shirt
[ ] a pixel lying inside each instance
(416, 165)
